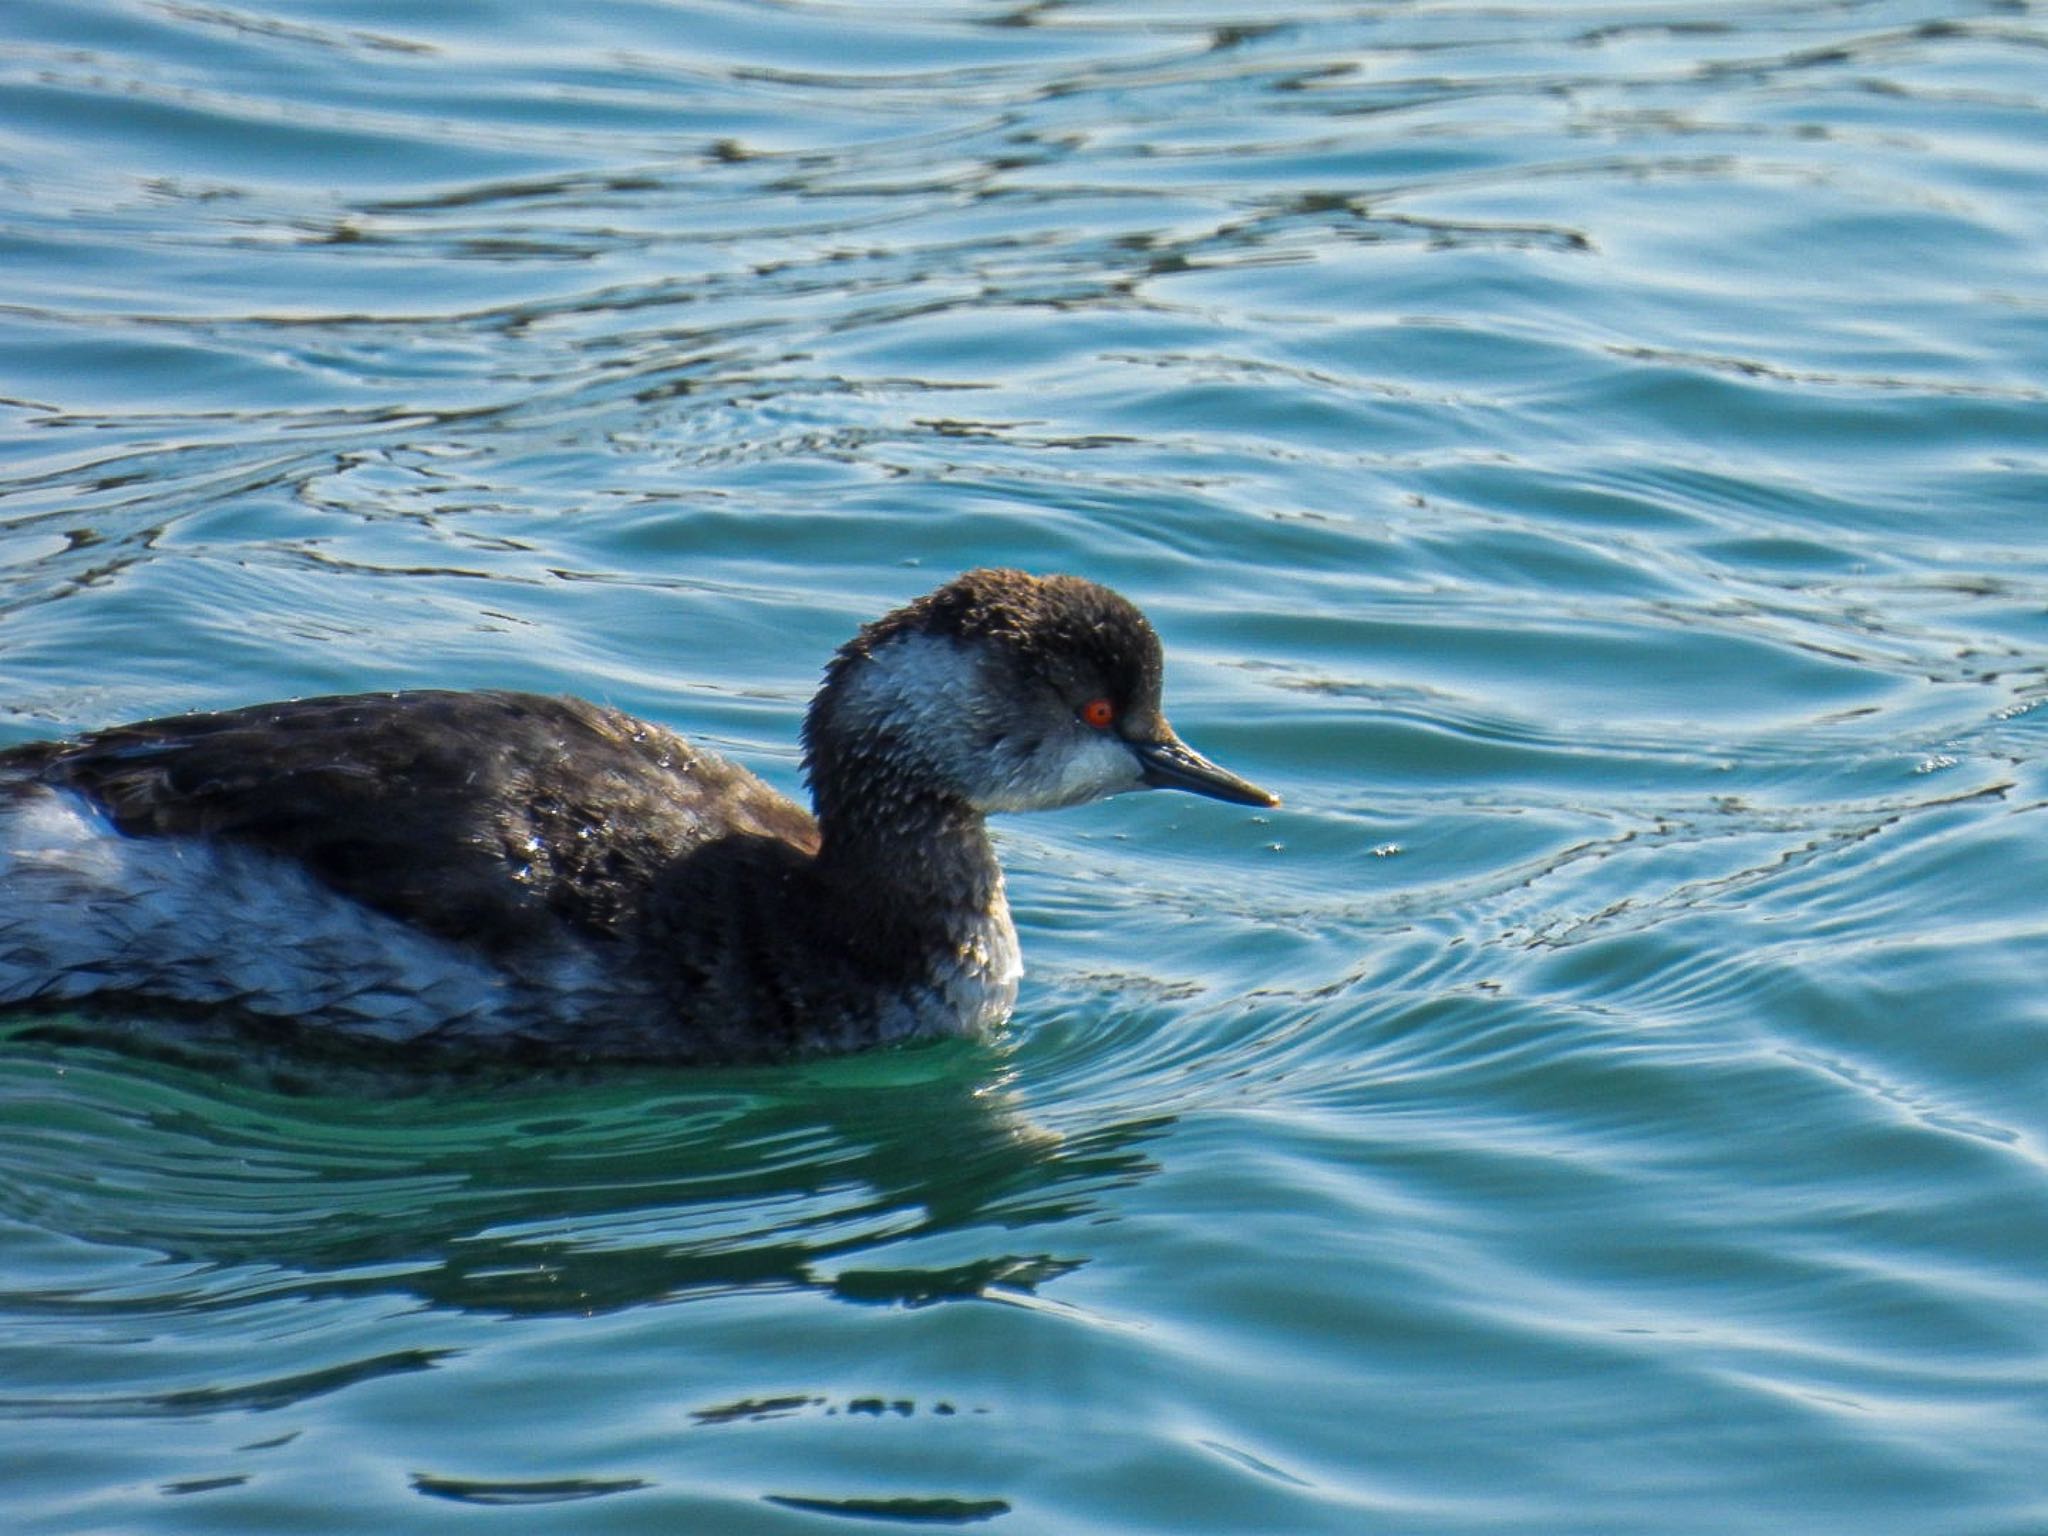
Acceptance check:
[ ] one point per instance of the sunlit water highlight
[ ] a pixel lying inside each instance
(1590, 458)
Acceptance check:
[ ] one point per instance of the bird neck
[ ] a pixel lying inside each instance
(898, 837)
(903, 855)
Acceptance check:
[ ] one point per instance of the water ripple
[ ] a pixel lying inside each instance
(1586, 458)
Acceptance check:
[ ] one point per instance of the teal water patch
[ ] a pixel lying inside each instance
(1587, 459)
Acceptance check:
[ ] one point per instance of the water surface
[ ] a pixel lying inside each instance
(1589, 458)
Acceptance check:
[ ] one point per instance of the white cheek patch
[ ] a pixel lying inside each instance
(1072, 770)
(923, 691)
(948, 713)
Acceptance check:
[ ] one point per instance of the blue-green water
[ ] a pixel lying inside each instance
(1592, 459)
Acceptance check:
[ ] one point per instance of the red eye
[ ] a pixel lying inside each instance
(1099, 713)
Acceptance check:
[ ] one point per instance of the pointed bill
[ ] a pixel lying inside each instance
(1171, 763)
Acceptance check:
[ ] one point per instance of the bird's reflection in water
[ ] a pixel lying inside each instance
(547, 1194)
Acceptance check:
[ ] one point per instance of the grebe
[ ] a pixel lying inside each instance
(515, 875)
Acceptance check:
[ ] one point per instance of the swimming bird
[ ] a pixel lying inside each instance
(512, 875)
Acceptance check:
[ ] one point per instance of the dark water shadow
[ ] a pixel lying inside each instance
(906, 1178)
